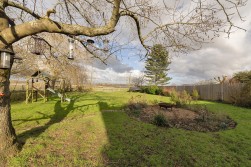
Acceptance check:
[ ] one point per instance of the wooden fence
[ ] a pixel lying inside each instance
(226, 92)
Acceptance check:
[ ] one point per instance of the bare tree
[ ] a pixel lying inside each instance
(178, 25)
(53, 61)
(139, 80)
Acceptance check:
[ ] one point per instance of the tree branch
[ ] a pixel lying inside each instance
(23, 8)
(134, 17)
(13, 34)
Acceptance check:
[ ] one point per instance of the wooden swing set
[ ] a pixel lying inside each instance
(38, 85)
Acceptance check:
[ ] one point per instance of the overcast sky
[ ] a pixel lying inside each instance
(224, 56)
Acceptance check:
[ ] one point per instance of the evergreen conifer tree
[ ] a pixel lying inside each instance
(157, 65)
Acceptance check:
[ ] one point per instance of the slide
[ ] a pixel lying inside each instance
(58, 94)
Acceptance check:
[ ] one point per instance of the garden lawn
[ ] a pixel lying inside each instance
(79, 134)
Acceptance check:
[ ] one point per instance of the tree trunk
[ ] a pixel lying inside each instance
(8, 139)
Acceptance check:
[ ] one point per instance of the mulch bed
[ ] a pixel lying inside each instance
(187, 119)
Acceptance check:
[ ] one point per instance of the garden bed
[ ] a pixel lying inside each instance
(190, 119)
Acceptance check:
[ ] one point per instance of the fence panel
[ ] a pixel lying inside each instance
(226, 92)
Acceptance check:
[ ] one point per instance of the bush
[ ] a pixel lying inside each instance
(245, 96)
(185, 98)
(180, 98)
(137, 103)
(174, 95)
(160, 120)
(159, 91)
(167, 91)
(153, 89)
(195, 94)
(143, 89)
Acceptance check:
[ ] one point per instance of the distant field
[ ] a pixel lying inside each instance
(21, 86)
(79, 134)
(108, 89)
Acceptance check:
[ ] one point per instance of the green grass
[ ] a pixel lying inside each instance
(78, 134)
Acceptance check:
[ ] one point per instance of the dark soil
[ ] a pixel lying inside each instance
(202, 121)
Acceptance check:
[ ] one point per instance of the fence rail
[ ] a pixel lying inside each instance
(225, 92)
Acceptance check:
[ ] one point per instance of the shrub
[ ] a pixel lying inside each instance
(160, 120)
(174, 95)
(143, 89)
(159, 91)
(223, 126)
(137, 103)
(167, 91)
(195, 94)
(185, 98)
(180, 98)
(245, 96)
(153, 89)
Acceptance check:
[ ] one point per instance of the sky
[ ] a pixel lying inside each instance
(225, 56)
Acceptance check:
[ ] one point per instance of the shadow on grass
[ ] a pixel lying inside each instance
(131, 143)
(134, 143)
(60, 113)
(104, 106)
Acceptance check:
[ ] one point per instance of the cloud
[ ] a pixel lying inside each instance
(112, 63)
(222, 57)
(110, 76)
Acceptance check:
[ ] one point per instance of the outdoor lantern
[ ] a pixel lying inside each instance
(71, 47)
(5, 59)
(36, 45)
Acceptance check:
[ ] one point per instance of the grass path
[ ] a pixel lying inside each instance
(78, 134)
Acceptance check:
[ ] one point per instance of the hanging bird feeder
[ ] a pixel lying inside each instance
(86, 41)
(5, 58)
(90, 41)
(36, 45)
(71, 47)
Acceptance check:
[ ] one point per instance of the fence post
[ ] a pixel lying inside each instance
(221, 81)
(27, 91)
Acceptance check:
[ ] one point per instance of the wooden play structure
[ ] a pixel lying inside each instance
(38, 85)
